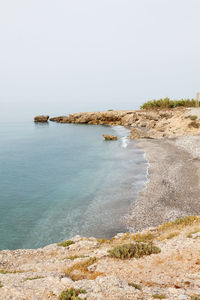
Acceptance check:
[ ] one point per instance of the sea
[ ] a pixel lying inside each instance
(62, 180)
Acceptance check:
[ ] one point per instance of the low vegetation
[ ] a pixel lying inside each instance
(73, 257)
(168, 103)
(179, 223)
(135, 285)
(10, 272)
(194, 124)
(34, 278)
(143, 237)
(136, 250)
(159, 296)
(71, 294)
(172, 235)
(193, 118)
(80, 270)
(194, 297)
(65, 243)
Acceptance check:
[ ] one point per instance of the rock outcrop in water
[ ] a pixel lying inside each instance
(41, 119)
(157, 124)
(108, 137)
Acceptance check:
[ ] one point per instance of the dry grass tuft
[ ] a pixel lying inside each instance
(179, 223)
(103, 241)
(73, 257)
(143, 237)
(80, 270)
(172, 235)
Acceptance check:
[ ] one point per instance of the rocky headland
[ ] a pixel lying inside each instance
(151, 123)
(151, 261)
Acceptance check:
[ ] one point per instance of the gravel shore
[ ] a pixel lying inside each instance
(173, 188)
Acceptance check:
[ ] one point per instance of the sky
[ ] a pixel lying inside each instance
(63, 56)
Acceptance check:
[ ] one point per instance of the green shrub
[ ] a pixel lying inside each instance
(157, 296)
(135, 285)
(195, 298)
(167, 103)
(71, 294)
(193, 118)
(136, 250)
(65, 243)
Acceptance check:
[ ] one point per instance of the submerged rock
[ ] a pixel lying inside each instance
(41, 119)
(108, 137)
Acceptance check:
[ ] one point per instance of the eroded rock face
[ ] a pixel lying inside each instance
(61, 119)
(108, 137)
(41, 119)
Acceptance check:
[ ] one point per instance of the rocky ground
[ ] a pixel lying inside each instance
(174, 273)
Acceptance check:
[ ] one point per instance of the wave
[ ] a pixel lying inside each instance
(123, 134)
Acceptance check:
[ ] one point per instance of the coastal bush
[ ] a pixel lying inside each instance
(135, 285)
(167, 103)
(136, 250)
(71, 294)
(65, 243)
(1, 285)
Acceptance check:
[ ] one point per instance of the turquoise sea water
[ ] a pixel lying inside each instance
(59, 180)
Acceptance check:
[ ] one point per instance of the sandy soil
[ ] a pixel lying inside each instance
(173, 188)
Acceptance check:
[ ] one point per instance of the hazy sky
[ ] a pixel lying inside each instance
(78, 55)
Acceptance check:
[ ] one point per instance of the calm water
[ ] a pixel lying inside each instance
(59, 180)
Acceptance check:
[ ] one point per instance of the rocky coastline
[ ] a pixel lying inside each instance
(171, 141)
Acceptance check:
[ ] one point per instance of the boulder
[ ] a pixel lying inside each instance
(108, 137)
(138, 134)
(41, 119)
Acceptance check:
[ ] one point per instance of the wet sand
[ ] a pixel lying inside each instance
(173, 187)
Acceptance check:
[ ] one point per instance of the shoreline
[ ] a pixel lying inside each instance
(172, 189)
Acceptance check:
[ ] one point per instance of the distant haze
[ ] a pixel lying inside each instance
(64, 56)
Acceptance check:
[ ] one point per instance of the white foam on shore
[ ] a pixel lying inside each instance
(124, 135)
(147, 169)
(125, 141)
